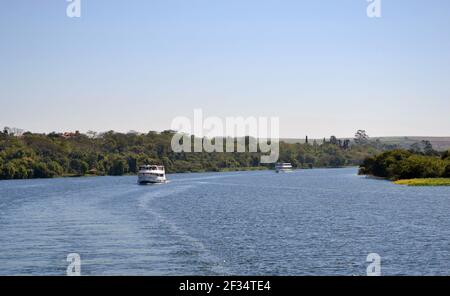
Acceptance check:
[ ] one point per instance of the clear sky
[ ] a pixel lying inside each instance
(323, 67)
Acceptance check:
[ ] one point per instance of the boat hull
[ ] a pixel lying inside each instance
(283, 167)
(284, 171)
(150, 179)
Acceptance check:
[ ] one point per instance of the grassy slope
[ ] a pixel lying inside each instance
(425, 182)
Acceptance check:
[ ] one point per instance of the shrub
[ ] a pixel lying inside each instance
(78, 167)
(401, 164)
(41, 170)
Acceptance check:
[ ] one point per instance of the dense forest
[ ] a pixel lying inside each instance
(408, 164)
(31, 155)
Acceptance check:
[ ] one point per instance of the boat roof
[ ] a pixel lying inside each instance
(151, 165)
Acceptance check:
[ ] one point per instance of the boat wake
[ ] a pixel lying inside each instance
(186, 246)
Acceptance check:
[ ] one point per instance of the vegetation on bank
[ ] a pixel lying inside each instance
(74, 154)
(406, 165)
(425, 182)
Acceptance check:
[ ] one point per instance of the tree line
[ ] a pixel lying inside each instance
(402, 164)
(31, 155)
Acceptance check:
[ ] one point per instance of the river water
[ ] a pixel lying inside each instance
(309, 222)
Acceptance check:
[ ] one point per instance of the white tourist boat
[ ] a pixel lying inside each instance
(151, 174)
(284, 167)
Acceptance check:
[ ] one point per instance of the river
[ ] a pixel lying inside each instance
(309, 222)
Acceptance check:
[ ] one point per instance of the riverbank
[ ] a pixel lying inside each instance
(415, 182)
(221, 170)
(91, 175)
(411, 168)
(425, 182)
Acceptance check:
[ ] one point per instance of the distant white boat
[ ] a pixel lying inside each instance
(284, 167)
(151, 174)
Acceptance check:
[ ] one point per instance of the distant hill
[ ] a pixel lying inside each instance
(439, 143)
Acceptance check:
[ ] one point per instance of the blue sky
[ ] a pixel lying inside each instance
(323, 67)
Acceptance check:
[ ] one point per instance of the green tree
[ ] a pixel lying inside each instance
(361, 137)
(78, 167)
(41, 170)
(118, 167)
